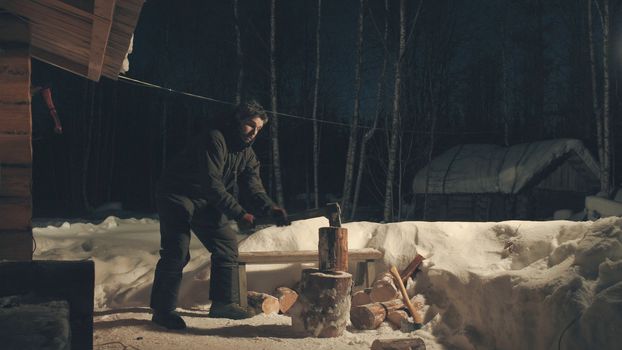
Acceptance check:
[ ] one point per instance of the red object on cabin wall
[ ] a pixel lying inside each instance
(46, 92)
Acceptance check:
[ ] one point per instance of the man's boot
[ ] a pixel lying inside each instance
(168, 319)
(228, 310)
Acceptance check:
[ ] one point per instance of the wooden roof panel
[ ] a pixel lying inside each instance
(86, 37)
(126, 16)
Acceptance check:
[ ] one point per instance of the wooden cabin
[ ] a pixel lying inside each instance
(478, 182)
(89, 38)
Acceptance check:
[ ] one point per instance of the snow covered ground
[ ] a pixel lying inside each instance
(507, 285)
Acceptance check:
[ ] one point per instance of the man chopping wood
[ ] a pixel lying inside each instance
(198, 191)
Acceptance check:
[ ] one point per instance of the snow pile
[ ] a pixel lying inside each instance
(507, 285)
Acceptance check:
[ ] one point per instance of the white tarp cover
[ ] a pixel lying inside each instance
(483, 168)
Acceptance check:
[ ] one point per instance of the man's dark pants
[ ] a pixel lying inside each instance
(179, 214)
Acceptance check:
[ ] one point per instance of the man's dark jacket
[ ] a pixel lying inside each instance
(211, 166)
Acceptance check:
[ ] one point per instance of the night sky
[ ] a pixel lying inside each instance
(472, 64)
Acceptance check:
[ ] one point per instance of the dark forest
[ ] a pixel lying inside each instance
(486, 71)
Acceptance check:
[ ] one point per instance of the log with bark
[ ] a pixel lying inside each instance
(262, 303)
(411, 268)
(370, 316)
(287, 297)
(323, 304)
(384, 289)
(333, 249)
(396, 317)
(398, 344)
(361, 297)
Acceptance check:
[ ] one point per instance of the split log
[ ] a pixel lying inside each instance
(396, 317)
(333, 249)
(370, 316)
(323, 304)
(361, 297)
(262, 303)
(286, 297)
(411, 268)
(398, 344)
(384, 289)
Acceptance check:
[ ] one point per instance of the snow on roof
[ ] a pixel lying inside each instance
(482, 168)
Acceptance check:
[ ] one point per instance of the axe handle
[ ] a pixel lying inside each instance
(333, 217)
(413, 311)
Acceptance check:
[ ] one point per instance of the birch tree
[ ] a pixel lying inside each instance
(349, 173)
(274, 125)
(380, 92)
(388, 197)
(504, 80)
(238, 45)
(601, 115)
(316, 150)
(606, 161)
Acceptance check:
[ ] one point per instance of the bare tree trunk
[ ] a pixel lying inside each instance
(379, 99)
(600, 113)
(274, 128)
(164, 115)
(163, 131)
(427, 173)
(349, 173)
(112, 143)
(595, 106)
(606, 162)
(506, 117)
(238, 42)
(388, 198)
(87, 147)
(316, 151)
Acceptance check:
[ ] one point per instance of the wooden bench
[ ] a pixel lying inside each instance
(365, 267)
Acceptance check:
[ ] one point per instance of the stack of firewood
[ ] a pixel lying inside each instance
(384, 301)
(280, 301)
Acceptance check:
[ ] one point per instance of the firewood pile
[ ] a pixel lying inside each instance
(280, 301)
(388, 301)
(370, 307)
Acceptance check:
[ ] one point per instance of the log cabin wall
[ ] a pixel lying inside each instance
(15, 140)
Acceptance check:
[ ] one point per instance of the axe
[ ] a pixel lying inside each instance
(331, 211)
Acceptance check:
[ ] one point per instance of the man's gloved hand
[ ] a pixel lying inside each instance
(280, 216)
(248, 220)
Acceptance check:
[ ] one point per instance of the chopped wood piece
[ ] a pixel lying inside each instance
(361, 297)
(263, 303)
(333, 249)
(384, 289)
(287, 297)
(370, 316)
(398, 344)
(396, 317)
(411, 268)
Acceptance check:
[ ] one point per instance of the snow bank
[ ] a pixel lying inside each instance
(507, 285)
